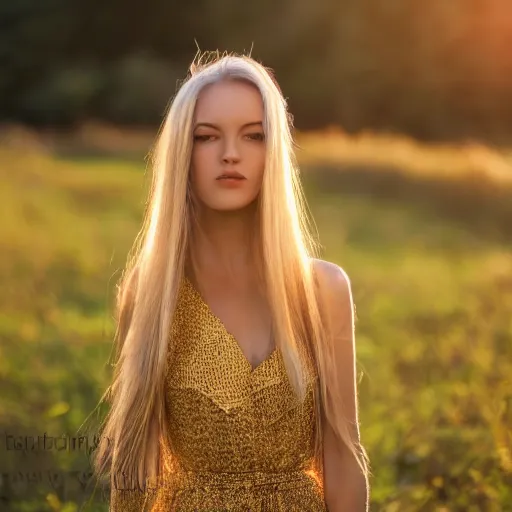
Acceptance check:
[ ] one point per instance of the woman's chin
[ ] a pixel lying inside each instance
(232, 206)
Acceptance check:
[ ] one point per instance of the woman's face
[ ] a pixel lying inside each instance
(228, 139)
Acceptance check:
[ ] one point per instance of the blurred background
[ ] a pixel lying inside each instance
(403, 113)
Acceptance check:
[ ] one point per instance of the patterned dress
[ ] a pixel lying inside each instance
(240, 439)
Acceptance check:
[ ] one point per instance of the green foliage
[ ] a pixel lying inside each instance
(435, 70)
(434, 333)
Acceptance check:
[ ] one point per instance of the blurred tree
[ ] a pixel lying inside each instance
(435, 70)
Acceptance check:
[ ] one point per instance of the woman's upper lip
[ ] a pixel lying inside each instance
(230, 174)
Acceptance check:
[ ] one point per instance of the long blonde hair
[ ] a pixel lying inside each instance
(135, 430)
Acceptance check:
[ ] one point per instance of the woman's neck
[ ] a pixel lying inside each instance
(221, 246)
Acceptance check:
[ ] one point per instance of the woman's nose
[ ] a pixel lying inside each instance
(230, 159)
(230, 153)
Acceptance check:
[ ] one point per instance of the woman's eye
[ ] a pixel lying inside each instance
(256, 136)
(203, 137)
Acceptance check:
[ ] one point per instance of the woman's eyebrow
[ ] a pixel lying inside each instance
(211, 125)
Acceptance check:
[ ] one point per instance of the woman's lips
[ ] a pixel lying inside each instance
(231, 174)
(230, 181)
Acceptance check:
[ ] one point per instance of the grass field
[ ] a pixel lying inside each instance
(424, 233)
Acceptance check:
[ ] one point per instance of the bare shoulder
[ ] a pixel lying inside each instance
(331, 278)
(335, 292)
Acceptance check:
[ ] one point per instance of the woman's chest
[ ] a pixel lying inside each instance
(246, 319)
(220, 412)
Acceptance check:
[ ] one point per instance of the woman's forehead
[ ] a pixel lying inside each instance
(229, 102)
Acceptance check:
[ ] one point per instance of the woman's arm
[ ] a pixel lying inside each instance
(345, 486)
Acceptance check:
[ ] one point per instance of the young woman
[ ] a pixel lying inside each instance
(234, 388)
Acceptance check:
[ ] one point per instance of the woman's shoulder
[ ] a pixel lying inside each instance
(334, 289)
(330, 276)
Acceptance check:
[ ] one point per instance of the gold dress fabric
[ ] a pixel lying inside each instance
(240, 439)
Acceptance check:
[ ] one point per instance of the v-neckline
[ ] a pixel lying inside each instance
(223, 327)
